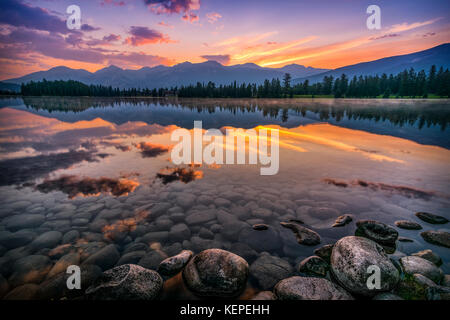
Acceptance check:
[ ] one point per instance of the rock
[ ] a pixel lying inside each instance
(179, 232)
(221, 202)
(264, 295)
(305, 288)
(200, 217)
(216, 273)
(267, 270)
(386, 296)
(414, 287)
(325, 252)
(267, 240)
(232, 230)
(404, 239)
(350, 259)
(440, 238)
(431, 218)
(24, 292)
(152, 259)
(343, 220)
(304, 235)
(314, 266)
(175, 264)
(132, 257)
(29, 269)
(378, 232)
(64, 262)
(48, 239)
(12, 240)
(159, 236)
(71, 236)
(205, 233)
(430, 256)
(159, 209)
(446, 281)
(105, 258)
(24, 221)
(260, 227)
(126, 282)
(244, 250)
(409, 225)
(414, 264)
(185, 200)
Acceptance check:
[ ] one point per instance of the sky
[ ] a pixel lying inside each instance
(132, 34)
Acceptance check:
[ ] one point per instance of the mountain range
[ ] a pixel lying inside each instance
(190, 73)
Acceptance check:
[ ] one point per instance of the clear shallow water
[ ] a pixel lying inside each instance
(92, 165)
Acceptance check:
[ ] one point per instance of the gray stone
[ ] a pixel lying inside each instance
(48, 239)
(304, 235)
(105, 258)
(63, 263)
(179, 232)
(200, 217)
(185, 200)
(440, 238)
(29, 269)
(413, 264)
(379, 232)
(267, 270)
(350, 259)
(132, 257)
(11, 240)
(71, 236)
(27, 291)
(152, 259)
(325, 252)
(216, 273)
(431, 218)
(173, 265)
(160, 236)
(430, 256)
(126, 282)
(314, 266)
(387, 296)
(343, 220)
(267, 240)
(24, 221)
(409, 225)
(306, 288)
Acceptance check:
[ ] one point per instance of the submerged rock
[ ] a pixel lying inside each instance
(378, 232)
(430, 256)
(325, 252)
(267, 270)
(260, 226)
(413, 264)
(304, 235)
(343, 220)
(440, 238)
(175, 264)
(126, 282)
(409, 225)
(105, 258)
(305, 288)
(431, 218)
(350, 261)
(216, 273)
(314, 266)
(30, 269)
(27, 291)
(48, 239)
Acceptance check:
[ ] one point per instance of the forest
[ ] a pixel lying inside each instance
(406, 84)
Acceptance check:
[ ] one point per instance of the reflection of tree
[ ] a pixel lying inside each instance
(398, 112)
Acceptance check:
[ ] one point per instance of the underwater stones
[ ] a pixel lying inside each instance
(216, 273)
(409, 225)
(413, 264)
(387, 296)
(221, 202)
(27, 291)
(343, 220)
(431, 218)
(267, 240)
(71, 236)
(267, 270)
(159, 236)
(430, 256)
(185, 200)
(24, 221)
(11, 240)
(440, 238)
(378, 232)
(132, 257)
(314, 266)
(173, 265)
(4, 286)
(304, 235)
(48, 239)
(63, 263)
(105, 258)
(306, 288)
(126, 282)
(179, 232)
(324, 252)
(350, 259)
(200, 217)
(264, 295)
(29, 269)
(152, 259)
(260, 227)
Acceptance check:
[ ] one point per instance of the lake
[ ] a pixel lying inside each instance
(98, 171)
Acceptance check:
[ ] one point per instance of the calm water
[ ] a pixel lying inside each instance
(98, 166)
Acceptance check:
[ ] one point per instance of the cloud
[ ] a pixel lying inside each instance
(409, 26)
(190, 17)
(172, 6)
(213, 17)
(221, 58)
(389, 35)
(165, 24)
(88, 28)
(142, 35)
(151, 150)
(117, 3)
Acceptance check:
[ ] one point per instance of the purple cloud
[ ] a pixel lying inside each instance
(172, 6)
(143, 35)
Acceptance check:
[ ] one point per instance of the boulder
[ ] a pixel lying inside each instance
(350, 261)
(324, 252)
(175, 264)
(440, 238)
(306, 288)
(216, 273)
(314, 266)
(431, 218)
(126, 282)
(378, 232)
(409, 225)
(413, 264)
(267, 270)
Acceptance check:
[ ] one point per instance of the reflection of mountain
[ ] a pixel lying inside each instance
(420, 121)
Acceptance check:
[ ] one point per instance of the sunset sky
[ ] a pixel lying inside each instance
(137, 33)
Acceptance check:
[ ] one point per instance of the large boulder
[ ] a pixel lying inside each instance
(216, 273)
(126, 282)
(379, 232)
(350, 261)
(267, 270)
(413, 264)
(306, 288)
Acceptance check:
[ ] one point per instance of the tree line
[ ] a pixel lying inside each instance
(407, 83)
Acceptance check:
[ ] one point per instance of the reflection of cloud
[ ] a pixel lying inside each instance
(185, 175)
(151, 150)
(73, 186)
(378, 186)
(123, 226)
